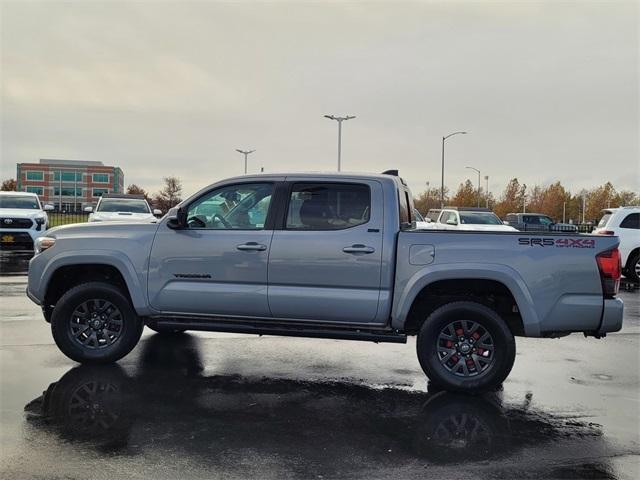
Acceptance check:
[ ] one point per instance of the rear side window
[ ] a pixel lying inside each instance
(631, 221)
(328, 206)
(604, 220)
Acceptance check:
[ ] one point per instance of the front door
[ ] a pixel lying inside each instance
(218, 263)
(325, 262)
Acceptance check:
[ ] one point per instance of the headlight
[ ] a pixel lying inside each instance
(43, 243)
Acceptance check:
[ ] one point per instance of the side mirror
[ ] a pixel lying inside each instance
(88, 209)
(48, 208)
(157, 212)
(176, 218)
(452, 222)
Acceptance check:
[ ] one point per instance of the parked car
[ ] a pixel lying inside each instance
(624, 222)
(22, 220)
(422, 223)
(114, 207)
(343, 261)
(433, 214)
(468, 218)
(537, 222)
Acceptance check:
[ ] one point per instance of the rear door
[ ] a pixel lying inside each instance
(325, 261)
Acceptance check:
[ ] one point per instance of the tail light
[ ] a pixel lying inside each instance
(610, 266)
(606, 232)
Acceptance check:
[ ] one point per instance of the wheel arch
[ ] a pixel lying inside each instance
(497, 286)
(66, 271)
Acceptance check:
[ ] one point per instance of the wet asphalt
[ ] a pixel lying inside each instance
(206, 405)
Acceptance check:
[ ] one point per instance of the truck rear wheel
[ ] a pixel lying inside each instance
(95, 323)
(466, 347)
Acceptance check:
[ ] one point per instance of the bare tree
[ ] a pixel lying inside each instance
(170, 195)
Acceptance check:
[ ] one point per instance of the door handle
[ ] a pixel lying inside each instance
(251, 246)
(358, 248)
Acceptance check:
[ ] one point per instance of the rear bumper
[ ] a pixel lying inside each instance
(611, 316)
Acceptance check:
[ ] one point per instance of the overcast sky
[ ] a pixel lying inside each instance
(547, 90)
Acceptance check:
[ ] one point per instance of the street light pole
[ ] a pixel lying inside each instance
(339, 120)
(442, 179)
(245, 153)
(486, 192)
(476, 170)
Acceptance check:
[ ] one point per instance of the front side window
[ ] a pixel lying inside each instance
(328, 206)
(130, 205)
(235, 207)
(631, 221)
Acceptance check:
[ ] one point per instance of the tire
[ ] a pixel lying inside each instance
(456, 374)
(165, 330)
(633, 268)
(73, 329)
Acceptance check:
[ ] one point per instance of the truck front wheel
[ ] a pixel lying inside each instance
(466, 347)
(95, 323)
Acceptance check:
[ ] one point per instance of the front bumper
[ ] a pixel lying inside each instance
(611, 316)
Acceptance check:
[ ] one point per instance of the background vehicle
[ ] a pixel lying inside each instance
(331, 256)
(537, 222)
(421, 222)
(433, 214)
(22, 220)
(468, 218)
(624, 222)
(122, 208)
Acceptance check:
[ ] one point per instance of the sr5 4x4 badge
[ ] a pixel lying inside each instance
(558, 242)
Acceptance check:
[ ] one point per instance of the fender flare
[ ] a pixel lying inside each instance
(113, 258)
(496, 272)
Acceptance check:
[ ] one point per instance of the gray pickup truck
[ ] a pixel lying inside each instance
(327, 256)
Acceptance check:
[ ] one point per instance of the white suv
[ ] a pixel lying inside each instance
(130, 208)
(625, 223)
(22, 220)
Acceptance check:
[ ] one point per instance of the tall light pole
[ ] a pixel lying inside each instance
(245, 153)
(442, 181)
(486, 191)
(476, 170)
(339, 120)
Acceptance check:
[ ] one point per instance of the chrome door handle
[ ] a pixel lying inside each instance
(252, 246)
(358, 248)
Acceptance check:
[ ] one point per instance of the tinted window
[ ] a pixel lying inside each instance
(512, 218)
(479, 218)
(328, 206)
(27, 202)
(631, 221)
(131, 205)
(235, 207)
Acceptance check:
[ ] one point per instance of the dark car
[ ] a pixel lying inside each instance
(537, 222)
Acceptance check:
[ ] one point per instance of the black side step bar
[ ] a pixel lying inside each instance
(279, 330)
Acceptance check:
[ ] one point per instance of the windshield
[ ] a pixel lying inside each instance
(479, 218)
(605, 219)
(130, 205)
(26, 202)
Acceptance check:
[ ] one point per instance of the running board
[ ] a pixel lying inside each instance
(281, 330)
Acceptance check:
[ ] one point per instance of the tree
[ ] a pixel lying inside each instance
(512, 199)
(466, 196)
(169, 196)
(134, 189)
(429, 199)
(9, 185)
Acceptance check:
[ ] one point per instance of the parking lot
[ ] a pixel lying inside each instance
(207, 405)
